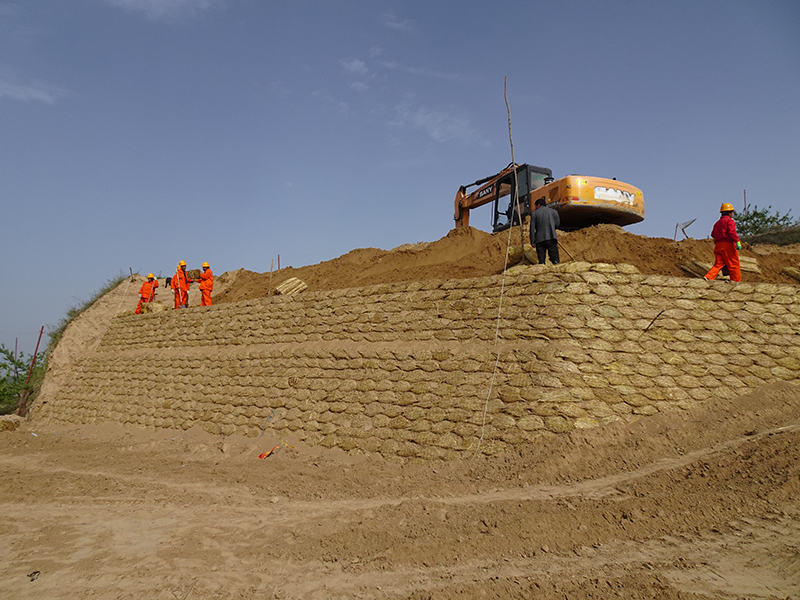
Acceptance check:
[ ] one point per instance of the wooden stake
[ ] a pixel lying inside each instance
(515, 191)
(269, 289)
(560, 245)
(22, 408)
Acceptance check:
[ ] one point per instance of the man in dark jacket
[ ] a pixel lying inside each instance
(544, 221)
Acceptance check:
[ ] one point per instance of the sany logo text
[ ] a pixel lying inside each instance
(615, 195)
(486, 192)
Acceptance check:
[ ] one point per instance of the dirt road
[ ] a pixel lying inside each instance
(700, 504)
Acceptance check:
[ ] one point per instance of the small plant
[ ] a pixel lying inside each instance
(14, 371)
(13, 377)
(754, 221)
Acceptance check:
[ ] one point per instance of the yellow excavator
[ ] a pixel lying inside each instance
(580, 200)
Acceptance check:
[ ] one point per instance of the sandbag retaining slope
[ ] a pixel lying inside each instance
(405, 369)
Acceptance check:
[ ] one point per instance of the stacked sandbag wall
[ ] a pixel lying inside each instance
(424, 368)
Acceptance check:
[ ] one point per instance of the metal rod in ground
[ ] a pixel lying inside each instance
(654, 320)
(269, 418)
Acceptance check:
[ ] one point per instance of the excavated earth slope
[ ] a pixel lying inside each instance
(474, 253)
(684, 485)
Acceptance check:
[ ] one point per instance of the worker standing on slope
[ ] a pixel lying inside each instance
(180, 285)
(147, 292)
(206, 282)
(544, 221)
(726, 245)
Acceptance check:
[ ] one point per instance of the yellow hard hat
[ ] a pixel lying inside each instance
(182, 263)
(726, 207)
(151, 276)
(205, 264)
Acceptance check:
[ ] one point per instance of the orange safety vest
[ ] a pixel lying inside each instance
(180, 281)
(148, 290)
(207, 280)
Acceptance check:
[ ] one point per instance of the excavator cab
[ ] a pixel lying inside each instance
(529, 178)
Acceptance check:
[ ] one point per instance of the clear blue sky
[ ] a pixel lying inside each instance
(134, 133)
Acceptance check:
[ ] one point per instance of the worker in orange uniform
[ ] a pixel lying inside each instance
(147, 292)
(206, 282)
(726, 245)
(180, 285)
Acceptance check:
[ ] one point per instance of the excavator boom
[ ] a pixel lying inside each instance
(487, 192)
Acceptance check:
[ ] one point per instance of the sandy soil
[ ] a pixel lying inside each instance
(700, 504)
(474, 253)
(459, 254)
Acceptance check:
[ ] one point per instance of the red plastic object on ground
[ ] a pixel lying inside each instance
(268, 452)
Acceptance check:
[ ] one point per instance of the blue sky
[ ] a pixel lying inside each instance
(134, 133)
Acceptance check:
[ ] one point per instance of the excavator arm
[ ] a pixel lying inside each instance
(485, 193)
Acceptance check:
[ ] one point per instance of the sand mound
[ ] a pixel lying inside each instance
(474, 253)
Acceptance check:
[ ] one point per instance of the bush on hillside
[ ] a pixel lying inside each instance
(14, 370)
(754, 221)
(13, 373)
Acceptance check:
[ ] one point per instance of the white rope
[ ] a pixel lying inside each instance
(122, 299)
(496, 336)
(505, 266)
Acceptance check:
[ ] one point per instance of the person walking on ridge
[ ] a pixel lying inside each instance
(180, 285)
(544, 221)
(147, 292)
(726, 245)
(206, 282)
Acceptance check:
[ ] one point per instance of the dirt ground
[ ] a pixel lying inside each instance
(700, 504)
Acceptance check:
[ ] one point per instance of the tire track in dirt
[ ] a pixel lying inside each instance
(727, 573)
(138, 529)
(591, 489)
(758, 558)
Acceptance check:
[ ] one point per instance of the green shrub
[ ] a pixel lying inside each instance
(13, 373)
(754, 221)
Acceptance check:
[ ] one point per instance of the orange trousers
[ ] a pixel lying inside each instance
(725, 255)
(181, 298)
(139, 306)
(205, 297)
